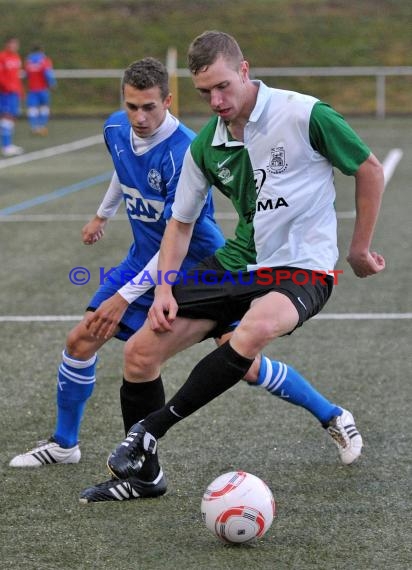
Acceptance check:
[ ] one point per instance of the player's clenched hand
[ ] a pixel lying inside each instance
(93, 230)
(163, 310)
(103, 323)
(367, 264)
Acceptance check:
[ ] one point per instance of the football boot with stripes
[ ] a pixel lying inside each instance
(46, 452)
(125, 489)
(344, 433)
(128, 457)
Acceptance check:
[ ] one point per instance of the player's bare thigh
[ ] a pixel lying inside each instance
(147, 350)
(269, 317)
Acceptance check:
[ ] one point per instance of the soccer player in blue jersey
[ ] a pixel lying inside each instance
(272, 153)
(147, 145)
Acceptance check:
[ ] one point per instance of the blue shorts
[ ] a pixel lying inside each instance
(136, 313)
(38, 98)
(10, 104)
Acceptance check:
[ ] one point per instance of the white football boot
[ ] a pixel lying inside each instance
(11, 150)
(344, 433)
(46, 452)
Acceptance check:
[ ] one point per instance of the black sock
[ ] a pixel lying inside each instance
(137, 400)
(213, 375)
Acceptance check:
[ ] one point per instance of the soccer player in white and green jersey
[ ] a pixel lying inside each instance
(147, 145)
(272, 153)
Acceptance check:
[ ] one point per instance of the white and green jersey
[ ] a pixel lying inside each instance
(280, 181)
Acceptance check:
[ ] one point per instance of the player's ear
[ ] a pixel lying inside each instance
(244, 71)
(167, 101)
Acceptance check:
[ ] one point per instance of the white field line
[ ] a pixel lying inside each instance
(389, 164)
(228, 216)
(325, 317)
(362, 316)
(56, 218)
(39, 318)
(51, 151)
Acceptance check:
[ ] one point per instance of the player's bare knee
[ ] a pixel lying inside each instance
(140, 359)
(260, 331)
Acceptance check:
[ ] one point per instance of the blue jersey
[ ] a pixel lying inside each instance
(148, 182)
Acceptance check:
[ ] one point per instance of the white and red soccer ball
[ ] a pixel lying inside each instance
(238, 507)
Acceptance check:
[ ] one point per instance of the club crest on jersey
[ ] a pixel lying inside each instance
(154, 179)
(225, 175)
(277, 162)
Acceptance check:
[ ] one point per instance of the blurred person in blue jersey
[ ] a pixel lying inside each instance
(147, 145)
(40, 78)
(11, 92)
(272, 153)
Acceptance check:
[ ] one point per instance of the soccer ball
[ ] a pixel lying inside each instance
(238, 507)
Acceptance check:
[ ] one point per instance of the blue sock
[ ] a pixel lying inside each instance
(43, 116)
(75, 383)
(286, 383)
(6, 130)
(33, 118)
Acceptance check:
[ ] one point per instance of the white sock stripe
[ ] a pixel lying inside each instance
(280, 378)
(78, 363)
(76, 378)
(7, 124)
(279, 374)
(269, 372)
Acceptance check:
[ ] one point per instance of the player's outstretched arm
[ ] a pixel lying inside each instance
(369, 190)
(94, 230)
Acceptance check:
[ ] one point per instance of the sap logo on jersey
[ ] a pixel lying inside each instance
(141, 208)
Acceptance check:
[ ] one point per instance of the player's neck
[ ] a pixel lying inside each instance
(236, 126)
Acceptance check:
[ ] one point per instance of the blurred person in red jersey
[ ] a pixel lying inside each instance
(40, 79)
(11, 92)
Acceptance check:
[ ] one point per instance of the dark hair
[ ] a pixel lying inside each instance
(146, 73)
(206, 48)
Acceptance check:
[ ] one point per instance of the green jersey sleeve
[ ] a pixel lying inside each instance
(333, 138)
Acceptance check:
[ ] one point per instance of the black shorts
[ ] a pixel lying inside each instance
(208, 291)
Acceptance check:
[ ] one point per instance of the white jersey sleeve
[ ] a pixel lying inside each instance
(112, 199)
(191, 191)
(142, 282)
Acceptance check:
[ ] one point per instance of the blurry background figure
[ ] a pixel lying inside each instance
(40, 79)
(11, 91)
